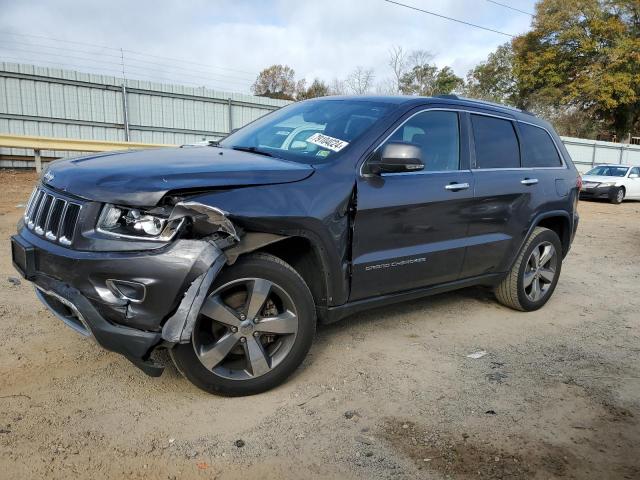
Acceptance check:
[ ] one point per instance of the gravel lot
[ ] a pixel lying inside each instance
(386, 394)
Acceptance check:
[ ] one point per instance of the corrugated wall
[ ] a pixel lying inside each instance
(586, 153)
(51, 102)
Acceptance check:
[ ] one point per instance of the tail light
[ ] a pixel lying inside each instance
(579, 182)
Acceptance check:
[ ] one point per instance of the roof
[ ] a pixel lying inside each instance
(450, 99)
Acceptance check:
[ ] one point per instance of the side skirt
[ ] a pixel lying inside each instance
(334, 314)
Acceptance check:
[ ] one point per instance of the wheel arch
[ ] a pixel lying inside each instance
(558, 221)
(299, 251)
(561, 225)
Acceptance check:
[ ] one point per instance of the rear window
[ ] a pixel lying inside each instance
(496, 142)
(538, 149)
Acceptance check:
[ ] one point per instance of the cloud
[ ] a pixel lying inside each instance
(324, 39)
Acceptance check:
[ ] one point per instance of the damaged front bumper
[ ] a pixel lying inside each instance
(130, 302)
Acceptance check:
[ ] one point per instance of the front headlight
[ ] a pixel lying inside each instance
(607, 184)
(136, 224)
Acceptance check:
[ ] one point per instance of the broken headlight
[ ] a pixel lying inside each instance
(136, 224)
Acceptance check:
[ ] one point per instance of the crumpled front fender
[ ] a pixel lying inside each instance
(178, 328)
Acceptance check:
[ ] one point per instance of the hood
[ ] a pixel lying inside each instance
(143, 177)
(601, 178)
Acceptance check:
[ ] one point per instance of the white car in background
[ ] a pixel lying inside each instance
(615, 182)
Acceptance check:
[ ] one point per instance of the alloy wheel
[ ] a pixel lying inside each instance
(245, 329)
(540, 271)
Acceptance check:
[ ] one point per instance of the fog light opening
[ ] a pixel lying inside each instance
(127, 290)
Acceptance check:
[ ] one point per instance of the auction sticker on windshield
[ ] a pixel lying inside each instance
(325, 141)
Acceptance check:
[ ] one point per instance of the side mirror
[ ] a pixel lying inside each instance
(396, 157)
(633, 175)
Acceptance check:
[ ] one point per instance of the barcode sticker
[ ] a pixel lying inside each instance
(325, 141)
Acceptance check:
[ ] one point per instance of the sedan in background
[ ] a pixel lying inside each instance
(614, 182)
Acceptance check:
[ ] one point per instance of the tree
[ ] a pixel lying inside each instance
(276, 81)
(337, 87)
(428, 80)
(317, 89)
(447, 82)
(398, 63)
(584, 54)
(493, 80)
(360, 81)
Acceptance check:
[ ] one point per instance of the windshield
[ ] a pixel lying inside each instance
(309, 132)
(608, 171)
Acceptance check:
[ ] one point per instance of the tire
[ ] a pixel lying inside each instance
(249, 357)
(518, 289)
(616, 195)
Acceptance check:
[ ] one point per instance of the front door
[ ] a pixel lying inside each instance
(410, 228)
(633, 185)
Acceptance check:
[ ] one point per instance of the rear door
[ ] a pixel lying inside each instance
(504, 195)
(409, 227)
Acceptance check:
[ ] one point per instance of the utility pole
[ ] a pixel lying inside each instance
(125, 106)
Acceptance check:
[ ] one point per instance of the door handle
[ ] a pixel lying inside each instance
(456, 186)
(529, 181)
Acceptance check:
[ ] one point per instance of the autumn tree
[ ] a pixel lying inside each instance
(276, 81)
(584, 54)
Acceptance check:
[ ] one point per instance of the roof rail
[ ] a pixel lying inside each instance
(450, 96)
(495, 104)
(483, 102)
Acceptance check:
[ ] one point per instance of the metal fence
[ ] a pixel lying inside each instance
(587, 153)
(49, 102)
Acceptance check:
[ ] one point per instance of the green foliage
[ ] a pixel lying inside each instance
(428, 80)
(317, 89)
(493, 79)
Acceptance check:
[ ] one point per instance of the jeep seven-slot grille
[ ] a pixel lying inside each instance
(51, 216)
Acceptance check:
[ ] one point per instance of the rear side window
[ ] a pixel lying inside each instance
(496, 142)
(538, 149)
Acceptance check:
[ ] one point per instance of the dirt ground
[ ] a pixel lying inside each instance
(386, 394)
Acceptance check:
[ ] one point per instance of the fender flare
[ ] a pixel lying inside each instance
(536, 221)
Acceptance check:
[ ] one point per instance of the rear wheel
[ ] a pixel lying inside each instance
(616, 195)
(254, 329)
(534, 275)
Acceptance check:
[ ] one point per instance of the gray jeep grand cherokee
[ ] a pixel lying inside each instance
(227, 255)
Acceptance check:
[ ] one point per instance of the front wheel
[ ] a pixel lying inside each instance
(616, 195)
(534, 275)
(254, 329)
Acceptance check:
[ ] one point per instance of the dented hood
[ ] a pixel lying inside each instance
(143, 177)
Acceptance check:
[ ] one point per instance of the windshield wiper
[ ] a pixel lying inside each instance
(255, 150)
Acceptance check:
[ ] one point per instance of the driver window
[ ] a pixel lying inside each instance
(437, 134)
(635, 171)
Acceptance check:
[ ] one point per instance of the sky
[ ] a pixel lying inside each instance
(223, 44)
